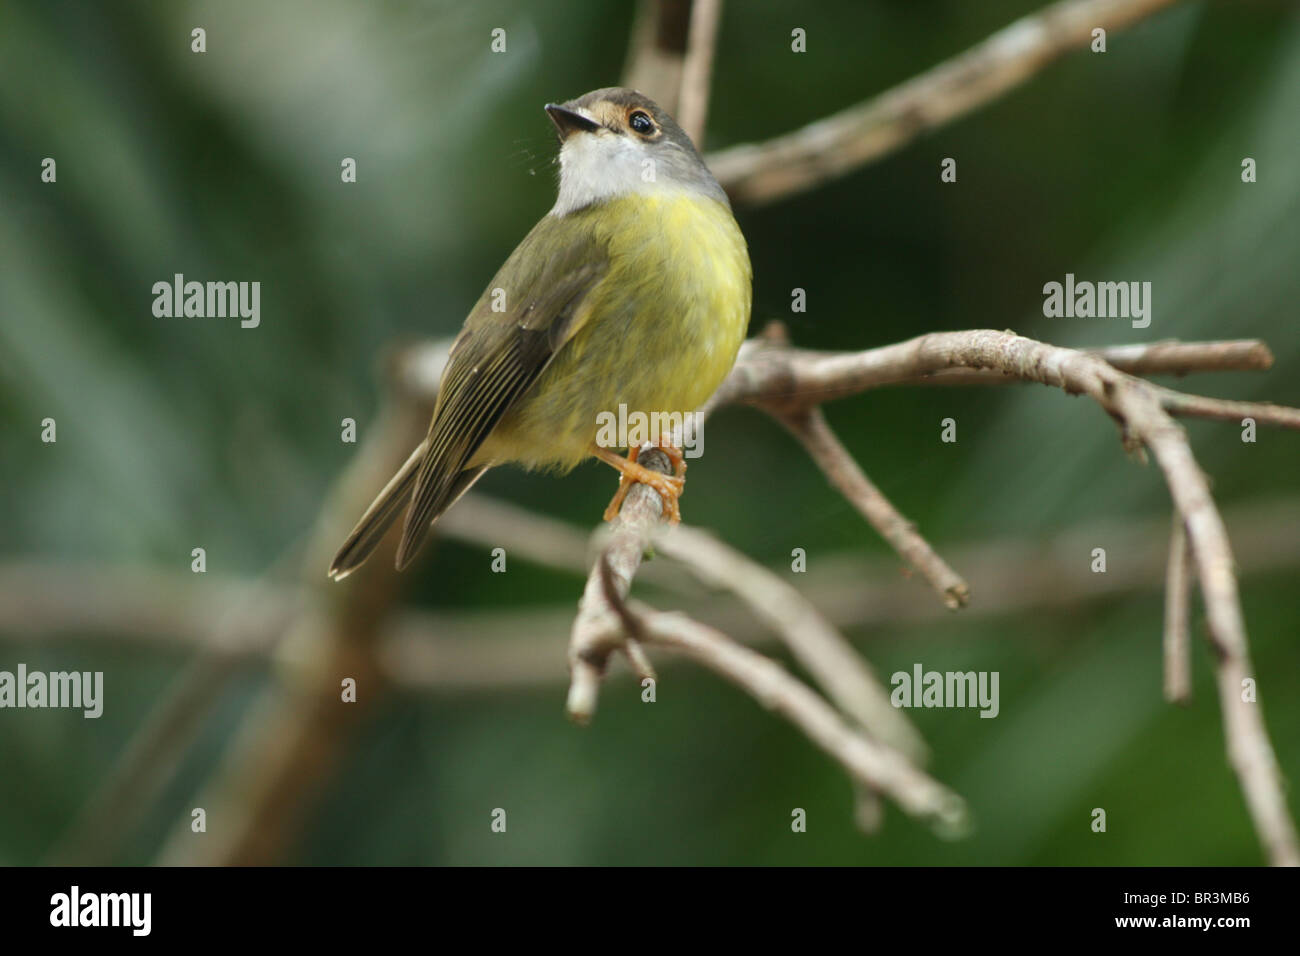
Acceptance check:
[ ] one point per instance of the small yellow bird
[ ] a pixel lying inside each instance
(633, 290)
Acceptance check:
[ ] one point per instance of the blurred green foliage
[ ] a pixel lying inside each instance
(225, 165)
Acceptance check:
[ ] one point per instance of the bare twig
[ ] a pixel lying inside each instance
(846, 677)
(632, 632)
(1169, 357)
(607, 623)
(420, 367)
(810, 427)
(844, 141)
(697, 69)
(1137, 407)
(1249, 750)
(874, 765)
(1178, 585)
(591, 643)
(1172, 357)
(657, 50)
(868, 809)
(791, 388)
(769, 373)
(1222, 409)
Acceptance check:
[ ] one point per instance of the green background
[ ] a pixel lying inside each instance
(174, 433)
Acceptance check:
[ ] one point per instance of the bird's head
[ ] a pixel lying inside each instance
(616, 141)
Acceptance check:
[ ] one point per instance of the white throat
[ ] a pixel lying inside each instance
(601, 165)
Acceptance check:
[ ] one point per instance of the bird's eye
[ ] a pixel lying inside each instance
(641, 122)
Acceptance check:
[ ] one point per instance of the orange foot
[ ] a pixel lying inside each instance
(630, 473)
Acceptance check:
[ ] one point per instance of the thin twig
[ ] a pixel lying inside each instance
(657, 50)
(767, 369)
(1168, 357)
(1135, 404)
(873, 764)
(838, 144)
(608, 622)
(1249, 750)
(1229, 410)
(619, 560)
(697, 69)
(1172, 357)
(1178, 587)
(846, 677)
(812, 430)
(770, 373)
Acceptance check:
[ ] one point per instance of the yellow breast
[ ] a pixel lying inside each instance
(658, 334)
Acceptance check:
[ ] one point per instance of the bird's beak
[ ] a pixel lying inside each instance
(569, 121)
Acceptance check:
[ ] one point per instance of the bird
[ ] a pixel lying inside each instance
(634, 290)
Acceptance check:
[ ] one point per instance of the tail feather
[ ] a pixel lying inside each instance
(422, 515)
(383, 511)
(388, 506)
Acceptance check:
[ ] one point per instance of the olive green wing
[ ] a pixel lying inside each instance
(529, 310)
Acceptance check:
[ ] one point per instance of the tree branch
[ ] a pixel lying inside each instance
(838, 144)
(697, 69)
(810, 427)
(822, 650)
(874, 765)
(775, 377)
(618, 561)
(657, 51)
